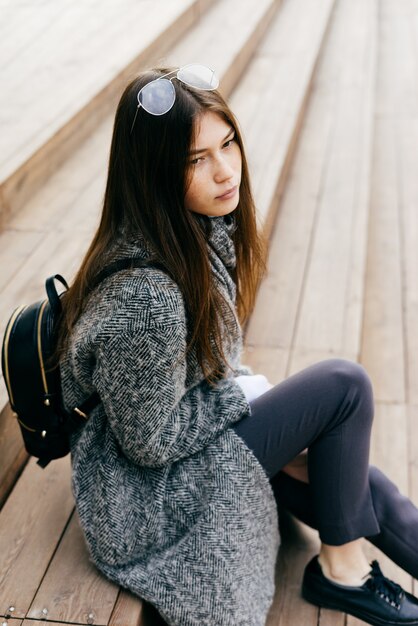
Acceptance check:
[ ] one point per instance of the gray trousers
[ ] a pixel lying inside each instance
(328, 408)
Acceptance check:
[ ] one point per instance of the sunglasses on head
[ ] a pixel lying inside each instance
(158, 96)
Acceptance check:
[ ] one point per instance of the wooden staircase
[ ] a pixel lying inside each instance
(307, 80)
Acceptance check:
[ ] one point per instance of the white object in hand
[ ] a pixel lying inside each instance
(253, 386)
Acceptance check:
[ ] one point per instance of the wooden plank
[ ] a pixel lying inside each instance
(383, 343)
(133, 25)
(67, 200)
(389, 447)
(57, 200)
(390, 332)
(331, 618)
(31, 622)
(128, 610)
(389, 451)
(3, 396)
(12, 453)
(279, 294)
(226, 38)
(21, 25)
(299, 544)
(354, 301)
(302, 66)
(78, 220)
(58, 254)
(292, 241)
(413, 461)
(31, 523)
(52, 204)
(272, 362)
(327, 287)
(39, 72)
(407, 131)
(63, 199)
(284, 65)
(14, 249)
(72, 589)
(398, 30)
(84, 102)
(383, 349)
(286, 608)
(353, 621)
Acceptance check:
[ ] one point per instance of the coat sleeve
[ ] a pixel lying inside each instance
(140, 375)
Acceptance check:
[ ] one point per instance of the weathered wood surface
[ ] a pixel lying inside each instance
(31, 522)
(60, 81)
(343, 261)
(342, 281)
(270, 100)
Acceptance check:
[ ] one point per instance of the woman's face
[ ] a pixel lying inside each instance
(215, 168)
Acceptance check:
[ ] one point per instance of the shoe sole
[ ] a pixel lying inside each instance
(374, 621)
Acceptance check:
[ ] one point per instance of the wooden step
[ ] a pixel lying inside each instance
(230, 33)
(313, 295)
(390, 336)
(294, 324)
(38, 517)
(32, 522)
(271, 99)
(390, 340)
(60, 80)
(315, 281)
(342, 267)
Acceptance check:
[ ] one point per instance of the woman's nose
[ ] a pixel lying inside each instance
(223, 170)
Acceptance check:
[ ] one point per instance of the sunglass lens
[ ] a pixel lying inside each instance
(157, 97)
(198, 76)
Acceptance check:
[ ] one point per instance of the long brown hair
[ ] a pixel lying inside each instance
(146, 185)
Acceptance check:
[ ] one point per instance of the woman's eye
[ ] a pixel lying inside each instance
(196, 161)
(229, 142)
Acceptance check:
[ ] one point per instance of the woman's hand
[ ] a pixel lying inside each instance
(298, 467)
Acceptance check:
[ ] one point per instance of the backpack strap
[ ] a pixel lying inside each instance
(51, 291)
(118, 266)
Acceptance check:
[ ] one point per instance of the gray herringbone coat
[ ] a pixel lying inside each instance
(174, 506)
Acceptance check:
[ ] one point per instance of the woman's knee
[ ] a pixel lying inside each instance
(351, 374)
(353, 381)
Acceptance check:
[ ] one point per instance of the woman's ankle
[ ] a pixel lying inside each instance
(346, 564)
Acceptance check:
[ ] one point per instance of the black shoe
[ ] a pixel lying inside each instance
(379, 601)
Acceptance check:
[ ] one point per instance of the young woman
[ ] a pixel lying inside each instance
(178, 472)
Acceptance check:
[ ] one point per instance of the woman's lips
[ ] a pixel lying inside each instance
(228, 194)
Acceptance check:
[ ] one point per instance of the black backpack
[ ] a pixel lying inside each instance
(33, 386)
